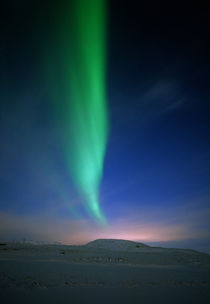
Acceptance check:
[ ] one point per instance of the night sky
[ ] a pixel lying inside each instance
(155, 183)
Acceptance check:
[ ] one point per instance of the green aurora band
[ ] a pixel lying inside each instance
(86, 108)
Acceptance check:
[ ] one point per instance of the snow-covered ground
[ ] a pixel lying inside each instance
(104, 271)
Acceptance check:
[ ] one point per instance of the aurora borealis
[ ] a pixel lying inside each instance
(87, 90)
(104, 122)
(85, 105)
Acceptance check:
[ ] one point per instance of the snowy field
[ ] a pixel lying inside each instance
(103, 271)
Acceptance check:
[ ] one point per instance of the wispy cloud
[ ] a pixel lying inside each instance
(161, 97)
(152, 101)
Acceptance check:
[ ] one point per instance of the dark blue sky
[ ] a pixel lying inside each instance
(157, 169)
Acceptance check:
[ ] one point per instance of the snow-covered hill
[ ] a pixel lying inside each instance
(116, 244)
